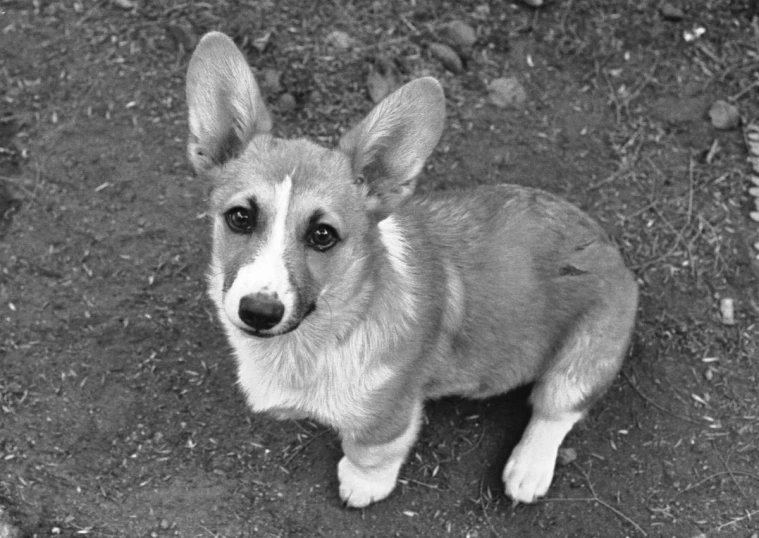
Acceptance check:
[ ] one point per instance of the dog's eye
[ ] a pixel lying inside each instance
(240, 220)
(323, 237)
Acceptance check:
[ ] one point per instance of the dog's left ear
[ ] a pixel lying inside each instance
(390, 146)
(225, 104)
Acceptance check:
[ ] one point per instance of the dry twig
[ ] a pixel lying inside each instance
(748, 515)
(300, 448)
(596, 499)
(658, 406)
(730, 471)
(712, 477)
(485, 509)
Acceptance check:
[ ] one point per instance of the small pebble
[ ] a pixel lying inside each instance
(507, 92)
(566, 456)
(482, 12)
(754, 216)
(164, 524)
(755, 180)
(286, 102)
(727, 309)
(340, 40)
(671, 12)
(753, 191)
(691, 35)
(7, 529)
(724, 116)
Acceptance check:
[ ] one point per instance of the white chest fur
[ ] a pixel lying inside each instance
(339, 391)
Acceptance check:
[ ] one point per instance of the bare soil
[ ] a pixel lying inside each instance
(119, 414)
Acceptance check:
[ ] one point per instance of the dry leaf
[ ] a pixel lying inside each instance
(460, 34)
(447, 56)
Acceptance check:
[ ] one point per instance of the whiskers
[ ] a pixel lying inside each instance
(215, 271)
(330, 311)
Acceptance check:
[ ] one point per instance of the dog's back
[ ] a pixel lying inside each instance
(522, 268)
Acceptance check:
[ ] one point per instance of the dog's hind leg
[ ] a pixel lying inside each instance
(577, 376)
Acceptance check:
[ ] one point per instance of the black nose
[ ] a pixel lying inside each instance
(261, 311)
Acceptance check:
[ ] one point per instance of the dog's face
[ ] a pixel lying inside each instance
(291, 238)
(298, 228)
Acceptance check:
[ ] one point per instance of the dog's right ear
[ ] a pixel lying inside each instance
(225, 104)
(390, 146)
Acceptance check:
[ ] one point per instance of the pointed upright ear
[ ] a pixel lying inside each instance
(225, 104)
(389, 147)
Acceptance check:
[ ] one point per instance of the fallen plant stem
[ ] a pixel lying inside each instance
(613, 177)
(748, 515)
(564, 15)
(646, 81)
(596, 499)
(302, 447)
(485, 509)
(732, 474)
(690, 190)
(476, 444)
(658, 406)
(420, 483)
(712, 477)
(744, 91)
(639, 211)
(17, 184)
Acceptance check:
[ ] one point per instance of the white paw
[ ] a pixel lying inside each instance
(528, 473)
(360, 488)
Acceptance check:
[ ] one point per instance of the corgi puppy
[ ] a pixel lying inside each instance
(351, 300)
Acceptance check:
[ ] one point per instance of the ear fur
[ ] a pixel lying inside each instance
(225, 105)
(390, 146)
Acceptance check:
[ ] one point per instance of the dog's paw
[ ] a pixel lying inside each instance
(528, 473)
(360, 488)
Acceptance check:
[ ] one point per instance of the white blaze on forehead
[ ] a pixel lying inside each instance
(267, 273)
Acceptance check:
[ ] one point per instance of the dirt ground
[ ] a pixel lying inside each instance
(119, 412)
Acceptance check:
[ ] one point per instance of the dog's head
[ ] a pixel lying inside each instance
(298, 228)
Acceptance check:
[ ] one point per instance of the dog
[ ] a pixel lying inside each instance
(350, 300)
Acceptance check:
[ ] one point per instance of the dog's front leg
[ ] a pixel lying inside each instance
(369, 470)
